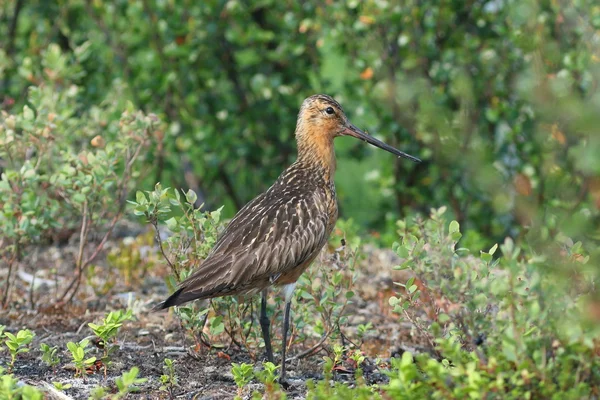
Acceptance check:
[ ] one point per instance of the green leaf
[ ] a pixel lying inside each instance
(191, 196)
(486, 257)
(79, 198)
(140, 198)
(28, 113)
(402, 251)
(454, 227)
(443, 318)
(493, 249)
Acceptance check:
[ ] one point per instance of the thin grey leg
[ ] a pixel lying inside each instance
(264, 324)
(286, 325)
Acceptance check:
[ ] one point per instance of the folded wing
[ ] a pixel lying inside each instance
(270, 236)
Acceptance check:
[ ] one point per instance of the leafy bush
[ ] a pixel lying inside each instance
(193, 232)
(80, 357)
(11, 388)
(67, 167)
(169, 378)
(107, 332)
(18, 344)
(500, 99)
(127, 382)
(499, 325)
(49, 356)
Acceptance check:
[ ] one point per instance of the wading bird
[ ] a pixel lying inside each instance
(275, 237)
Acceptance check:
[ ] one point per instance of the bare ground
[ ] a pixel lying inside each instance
(145, 342)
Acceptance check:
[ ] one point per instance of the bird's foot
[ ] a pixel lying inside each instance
(284, 383)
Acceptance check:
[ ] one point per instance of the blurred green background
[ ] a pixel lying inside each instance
(499, 98)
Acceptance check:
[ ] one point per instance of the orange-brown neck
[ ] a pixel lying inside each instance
(316, 148)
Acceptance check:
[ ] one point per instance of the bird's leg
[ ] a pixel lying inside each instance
(286, 325)
(264, 324)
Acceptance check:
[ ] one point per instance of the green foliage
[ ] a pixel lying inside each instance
(193, 233)
(12, 389)
(79, 354)
(225, 90)
(323, 295)
(363, 329)
(61, 386)
(500, 103)
(268, 375)
(17, 344)
(168, 380)
(49, 356)
(98, 393)
(326, 389)
(127, 382)
(109, 328)
(125, 385)
(500, 325)
(242, 375)
(65, 165)
(107, 332)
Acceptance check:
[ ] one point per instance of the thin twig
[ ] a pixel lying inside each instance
(81, 266)
(79, 261)
(312, 349)
(162, 250)
(31, 292)
(10, 268)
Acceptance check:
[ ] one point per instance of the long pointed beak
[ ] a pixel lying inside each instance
(353, 131)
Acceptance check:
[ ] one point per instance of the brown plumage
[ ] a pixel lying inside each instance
(276, 236)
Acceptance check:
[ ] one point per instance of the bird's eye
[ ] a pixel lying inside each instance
(330, 110)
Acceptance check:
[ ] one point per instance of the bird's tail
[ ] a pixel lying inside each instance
(172, 300)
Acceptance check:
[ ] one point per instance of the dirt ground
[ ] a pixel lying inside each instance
(146, 341)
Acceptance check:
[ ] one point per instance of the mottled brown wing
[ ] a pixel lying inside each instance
(272, 234)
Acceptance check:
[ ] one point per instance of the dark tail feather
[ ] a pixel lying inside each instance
(172, 300)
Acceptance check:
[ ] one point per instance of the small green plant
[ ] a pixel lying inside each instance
(331, 363)
(363, 329)
(242, 375)
(358, 357)
(127, 382)
(268, 377)
(107, 332)
(98, 393)
(11, 388)
(49, 355)
(194, 232)
(333, 390)
(61, 386)
(168, 379)
(17, 344)
(79, 352)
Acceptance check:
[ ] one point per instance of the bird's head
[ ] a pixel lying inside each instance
(321, 119)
